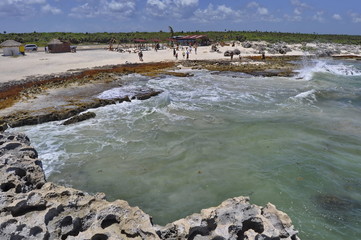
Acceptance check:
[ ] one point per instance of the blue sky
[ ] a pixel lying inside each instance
(305, 16)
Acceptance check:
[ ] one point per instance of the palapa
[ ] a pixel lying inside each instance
(10, 43)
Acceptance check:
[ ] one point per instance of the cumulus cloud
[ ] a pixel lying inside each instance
(260, 10)
(355, 17)
(19, 8)
(106, 8)
(33, 1)
(300, 7)
(294, 18)
(171, 8)
(84, 11)
(212, 13)
(50, 9)
(337, 16)
(319, 16)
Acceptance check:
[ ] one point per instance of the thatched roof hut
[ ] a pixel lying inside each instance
(57, 46)
(10, 47)
(10, 43)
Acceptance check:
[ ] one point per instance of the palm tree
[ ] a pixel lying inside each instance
(171, 32)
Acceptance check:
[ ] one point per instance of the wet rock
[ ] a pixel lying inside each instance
(143, 95)
(80, 118)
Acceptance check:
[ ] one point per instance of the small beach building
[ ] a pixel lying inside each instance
(201, 40)
(10, 48)
(57, 46)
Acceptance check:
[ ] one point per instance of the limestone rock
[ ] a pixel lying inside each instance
(235, 219)
(21, 170)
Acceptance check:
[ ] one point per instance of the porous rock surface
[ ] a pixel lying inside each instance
(31, 208)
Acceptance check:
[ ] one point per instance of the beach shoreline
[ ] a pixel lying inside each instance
(41, 63)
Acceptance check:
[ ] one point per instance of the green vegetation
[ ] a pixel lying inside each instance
(42, 39)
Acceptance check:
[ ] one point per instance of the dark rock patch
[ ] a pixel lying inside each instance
(80, 118)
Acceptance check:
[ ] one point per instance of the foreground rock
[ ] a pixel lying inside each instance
(235, 218)
(31, 208)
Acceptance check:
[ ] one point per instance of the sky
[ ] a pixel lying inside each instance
(296, 16)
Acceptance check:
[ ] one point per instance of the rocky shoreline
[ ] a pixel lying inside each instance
(30, 101)
(32, 208)
(56, 97)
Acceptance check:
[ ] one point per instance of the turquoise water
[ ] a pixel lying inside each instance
(294, 142)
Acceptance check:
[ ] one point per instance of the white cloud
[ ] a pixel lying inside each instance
(260, 10)
(34, 1)
(171, 8)
(105, 8)
(300, 7)
(212, 13)
(10, 2)
(296, 18)
(125, 7)
(319, 16)
(300, 4)
(50, 9)
(186, 3)
(83, 11)
(253, 5)
(337, 17)
(158, 8)
(297, 11)
(355, 17)
(19, 8)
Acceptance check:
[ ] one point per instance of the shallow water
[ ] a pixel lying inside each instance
(294, 142)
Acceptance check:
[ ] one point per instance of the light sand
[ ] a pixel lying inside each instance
(41, 63)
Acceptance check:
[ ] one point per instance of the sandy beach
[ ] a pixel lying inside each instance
(41, 63)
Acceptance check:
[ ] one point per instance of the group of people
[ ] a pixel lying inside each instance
(186, 51)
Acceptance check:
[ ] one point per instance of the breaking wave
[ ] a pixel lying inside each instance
(326, 67)
(308, 96)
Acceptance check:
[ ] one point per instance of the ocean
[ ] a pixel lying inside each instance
(291, 141)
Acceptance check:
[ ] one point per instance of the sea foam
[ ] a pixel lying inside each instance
(321, 66)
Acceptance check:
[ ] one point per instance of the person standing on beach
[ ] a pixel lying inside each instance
(140, 55)
(187, 53)
(183, 53)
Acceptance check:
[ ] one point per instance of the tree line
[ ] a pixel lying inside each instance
(42, 38)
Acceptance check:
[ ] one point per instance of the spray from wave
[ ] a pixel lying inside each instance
(308, 96)
(321, 66)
